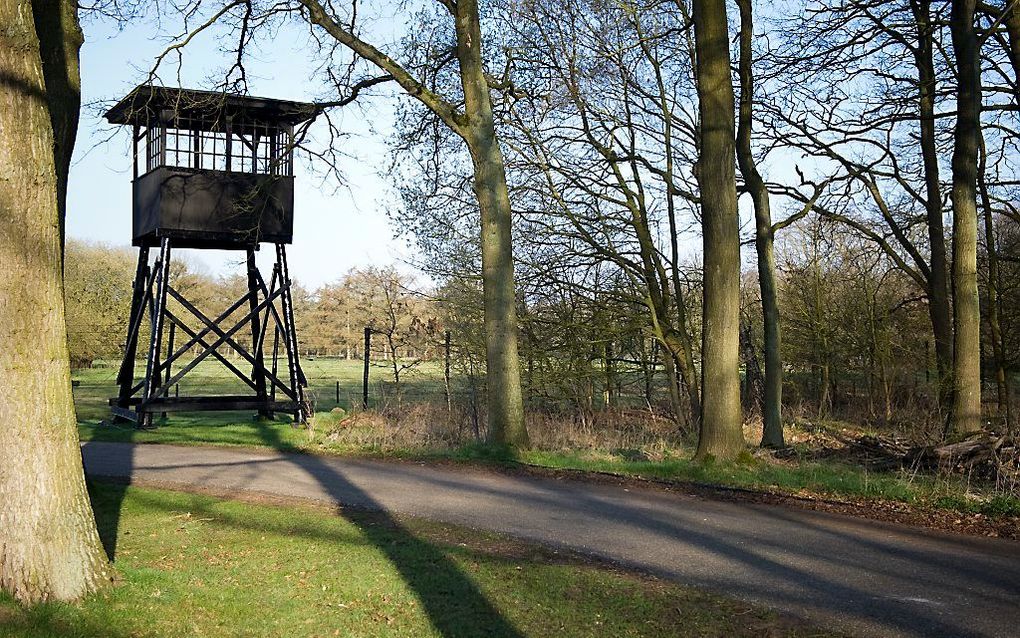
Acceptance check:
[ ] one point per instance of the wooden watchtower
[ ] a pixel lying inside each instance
(211, 171)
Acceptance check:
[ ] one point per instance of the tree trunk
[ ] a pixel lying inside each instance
(678, 344)
(673, 378)
(60, 40)
(754, 383)
(994, 311)
(609, 368)
(721, 432)
(679, 341)
(646, 372)
(938, 280)
(503, 375)
(49, 547)
(476, 127)
(966, 309)
(772, 395)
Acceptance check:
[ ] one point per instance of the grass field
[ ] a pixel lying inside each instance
(412, 435)
(191, 565)
(97, 384)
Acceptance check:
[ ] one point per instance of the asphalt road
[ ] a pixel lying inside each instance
(851, 575)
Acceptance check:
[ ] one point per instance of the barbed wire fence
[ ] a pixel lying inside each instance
(451, 375)
(368, 378)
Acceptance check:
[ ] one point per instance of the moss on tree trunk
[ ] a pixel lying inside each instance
(503, 374)
(721, 433)
(49, 547)
(966, 308)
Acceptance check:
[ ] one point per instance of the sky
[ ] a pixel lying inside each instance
(336, 227)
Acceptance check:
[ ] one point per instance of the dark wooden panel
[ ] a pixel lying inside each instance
(212, 209)
(201, 404)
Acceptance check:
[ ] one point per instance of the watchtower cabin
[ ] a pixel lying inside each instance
(211, 171)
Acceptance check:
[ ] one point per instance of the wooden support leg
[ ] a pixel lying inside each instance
(169, 365)
(258, 371)
(126, 375)
(152, 377)
(293, 363)
(276, 359)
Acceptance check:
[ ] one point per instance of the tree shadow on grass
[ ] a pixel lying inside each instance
(107, 503)
(106, 507)
(455, 605)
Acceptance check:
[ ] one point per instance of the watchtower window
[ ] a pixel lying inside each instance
(243, 148)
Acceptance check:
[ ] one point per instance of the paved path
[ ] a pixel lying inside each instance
(858, 576)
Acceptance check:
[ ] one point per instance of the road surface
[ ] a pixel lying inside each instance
(848, 574)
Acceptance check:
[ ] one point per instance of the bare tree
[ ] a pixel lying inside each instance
(869, 136)
(468, 114)
(721, 433)
(599, 137)
(966, 307)
(764, 240)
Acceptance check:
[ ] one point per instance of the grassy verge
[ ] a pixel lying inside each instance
(196, 565)
(800, 479)
(793, 477)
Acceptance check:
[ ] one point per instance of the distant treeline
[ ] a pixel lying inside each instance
(856, 343)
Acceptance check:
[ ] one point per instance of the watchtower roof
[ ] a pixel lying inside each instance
(148, 104)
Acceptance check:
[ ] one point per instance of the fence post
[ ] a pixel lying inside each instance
(364, 379)
(338, 393)
(446, 373)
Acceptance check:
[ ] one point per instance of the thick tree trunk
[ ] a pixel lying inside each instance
(60, 40)
(721, 432)
(49, 548)
(772, 395)
(503, 375)
(938, 280)
(966, 308)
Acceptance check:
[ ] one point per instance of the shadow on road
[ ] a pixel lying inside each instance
(456, 607)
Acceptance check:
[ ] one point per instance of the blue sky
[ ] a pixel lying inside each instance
(336, 227)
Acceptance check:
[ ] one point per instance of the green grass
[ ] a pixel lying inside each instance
(804, 477)
(192, 565)
(96, 385)
(801, 478)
